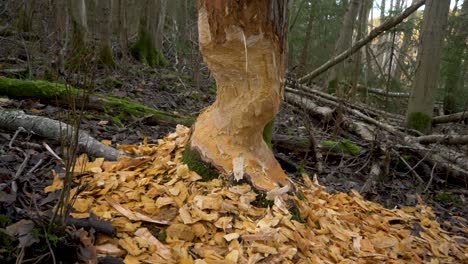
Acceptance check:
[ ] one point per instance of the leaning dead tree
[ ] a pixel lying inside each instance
(387, 25)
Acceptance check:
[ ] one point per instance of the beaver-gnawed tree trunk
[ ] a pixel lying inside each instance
(243, 43)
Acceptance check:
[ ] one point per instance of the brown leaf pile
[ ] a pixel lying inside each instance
(164, 214)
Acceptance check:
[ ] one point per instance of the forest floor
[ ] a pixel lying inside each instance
(174, 91)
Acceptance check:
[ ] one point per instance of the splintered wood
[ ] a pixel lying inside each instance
(163, 213)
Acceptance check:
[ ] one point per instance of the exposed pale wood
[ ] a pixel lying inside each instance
(359, 44)
(243, 44)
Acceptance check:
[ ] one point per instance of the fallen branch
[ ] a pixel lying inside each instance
(444, 139)
(395, 118)
(450, 118)
(384, 93)
(56, 130)
(325, 113)
(389, 24)
(57, 93)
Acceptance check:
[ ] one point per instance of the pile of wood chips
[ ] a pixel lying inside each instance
(163, 213)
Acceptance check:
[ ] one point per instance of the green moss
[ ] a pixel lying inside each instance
(296, 213)
(144, 51)
(332, 86)
(300, 195)
(268, 133)
(106, 58)
(262, 202)
(138, 110)
(112, 82)
(195, 163)
(4, 221)
(344, 146)
(162, 236)
(447, 198)
(116, 120)
(15, 88)
(419, 121)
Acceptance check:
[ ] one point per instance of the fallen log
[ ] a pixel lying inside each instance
(450, 118)
(384, 93)
(442, 158)
(374, 112)
(325, 113)
(444, 139)
(57, 93)
(56, 130)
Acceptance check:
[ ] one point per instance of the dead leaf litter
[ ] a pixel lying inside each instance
(163, 213)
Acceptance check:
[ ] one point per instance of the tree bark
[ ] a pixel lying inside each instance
(60, 35)
(104, 21)
(24, 22)
(243, 44)
(421, 102)
(123, 27)
(359, 44)
(77, 10)
(342, 70)
(148, 47)
(79, 25)
(305, 48)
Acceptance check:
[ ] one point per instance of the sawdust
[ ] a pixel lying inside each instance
(163, 213)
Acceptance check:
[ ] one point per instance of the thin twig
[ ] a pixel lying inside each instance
(432, 177)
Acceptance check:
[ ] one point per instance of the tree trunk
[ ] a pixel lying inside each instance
(305, 49)
(407, 35)
(421, 102)
(243, 44)
(456, 53)
(79, 26)
(362, 26)
(24, 22)
(123, 28)
(60, 36)
(104, 21)
(342, 70)
(148, 48)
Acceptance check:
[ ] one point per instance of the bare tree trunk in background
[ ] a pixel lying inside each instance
(60, 36)
(148, 48)
(123, 27)
(369, 68)
(407, 35)
(305, 50)
(457, 50)
(243, 44)
(382, 39)
(364, 10)
(77, 9)
(183, 33)
(104, 23)
(24, 22)
(421, 102)
(342, 71)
